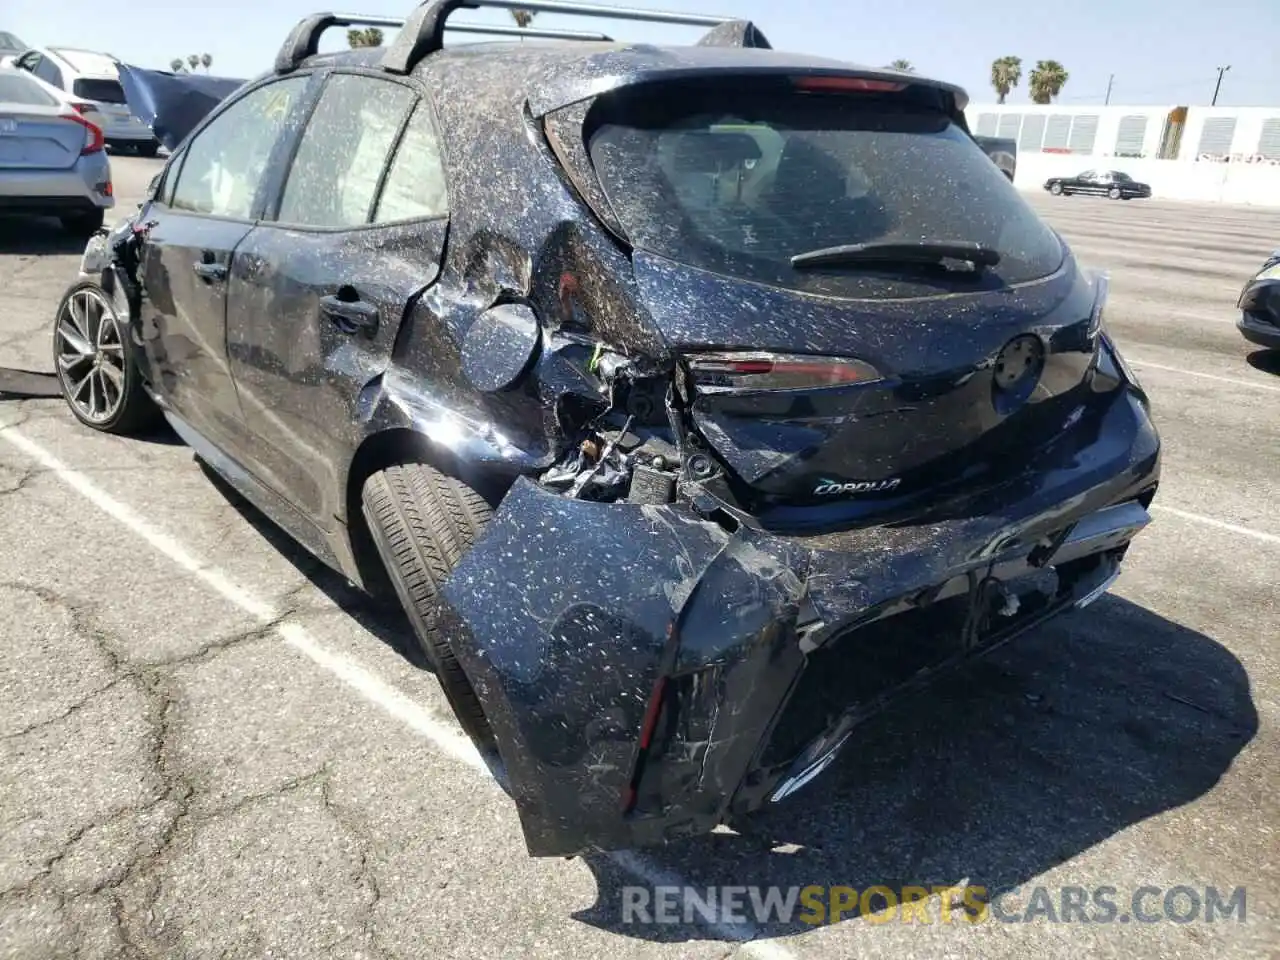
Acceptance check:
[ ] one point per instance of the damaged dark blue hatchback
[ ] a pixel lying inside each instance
(695, 402)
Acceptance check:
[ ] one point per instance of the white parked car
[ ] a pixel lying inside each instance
(93, 77)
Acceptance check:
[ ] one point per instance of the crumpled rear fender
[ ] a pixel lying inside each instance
(564, 616)
(568, 615)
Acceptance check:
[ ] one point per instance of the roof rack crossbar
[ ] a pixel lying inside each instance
(423, 32)
(534, 33)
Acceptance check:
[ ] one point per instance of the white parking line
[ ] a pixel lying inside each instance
(446, 736)
(1219, 524)
(1204, 376)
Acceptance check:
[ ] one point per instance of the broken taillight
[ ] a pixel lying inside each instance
(776, 371)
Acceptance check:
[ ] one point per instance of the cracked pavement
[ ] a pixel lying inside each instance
(177, 780)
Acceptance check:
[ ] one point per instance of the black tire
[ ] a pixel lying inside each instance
(1056, 189)
(1114, 193)
(135, 413)
(422, 523)
(147, 149)
(84, 224)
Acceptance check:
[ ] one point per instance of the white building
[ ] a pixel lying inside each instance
(1229, 154)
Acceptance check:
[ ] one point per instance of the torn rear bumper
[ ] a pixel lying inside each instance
(574, 620)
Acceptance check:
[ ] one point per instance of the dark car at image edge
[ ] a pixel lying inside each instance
(1259, 305)
(696, 403)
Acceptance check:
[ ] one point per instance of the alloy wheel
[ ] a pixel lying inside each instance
(90, 355)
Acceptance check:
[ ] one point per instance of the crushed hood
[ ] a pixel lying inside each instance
(173, 104)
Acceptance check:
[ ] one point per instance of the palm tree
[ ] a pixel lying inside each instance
(902, 65)
(369, 37)
(1047, 80)
(176, 65)
(1005, 74)
(206, 61)
(194, 60)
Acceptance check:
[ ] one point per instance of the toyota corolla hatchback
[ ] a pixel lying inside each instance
(695, 402)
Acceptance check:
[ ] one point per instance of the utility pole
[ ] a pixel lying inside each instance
(1221, 71)
(1110, 80)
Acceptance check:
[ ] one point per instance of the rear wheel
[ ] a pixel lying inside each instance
(83, 224)
(96, 371)
(147, 149)
(1114, 193)
(423, 522)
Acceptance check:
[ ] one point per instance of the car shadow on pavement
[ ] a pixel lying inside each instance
(37, 235)
(1016, 764)
(385, 620)
(1268, 361)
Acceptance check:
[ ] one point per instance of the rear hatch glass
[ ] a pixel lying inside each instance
(100, 91)
(16, 88)
(737, 180)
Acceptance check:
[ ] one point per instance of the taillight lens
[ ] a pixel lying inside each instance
(94, 140)
(776, 371)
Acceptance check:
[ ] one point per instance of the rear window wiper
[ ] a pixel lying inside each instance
(896, 251)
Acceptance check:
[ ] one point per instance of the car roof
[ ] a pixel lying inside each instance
(88, 63)
(553, 74)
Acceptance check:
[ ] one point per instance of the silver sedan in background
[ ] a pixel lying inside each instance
(52, 156)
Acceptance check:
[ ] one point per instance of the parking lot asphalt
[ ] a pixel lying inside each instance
(210, 748)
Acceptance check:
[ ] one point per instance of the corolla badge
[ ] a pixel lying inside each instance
(832, 488)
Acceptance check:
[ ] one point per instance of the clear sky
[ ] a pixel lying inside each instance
(1160, 51)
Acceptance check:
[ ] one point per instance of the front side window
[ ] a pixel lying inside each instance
(227, 161)
(344, 151)
(738, 181)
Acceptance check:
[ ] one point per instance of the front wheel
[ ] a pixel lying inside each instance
(1056, 189)
(96, 371)
(422, 523)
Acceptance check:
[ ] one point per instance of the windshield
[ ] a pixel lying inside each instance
(739, 182)
(101, 91)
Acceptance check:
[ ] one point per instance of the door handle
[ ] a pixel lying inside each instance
(350, 316)
(210, 271)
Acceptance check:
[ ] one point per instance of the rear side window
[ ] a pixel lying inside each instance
(738, 181)
(17, 88)
(415, 185)
(344, 151)
(103, 91)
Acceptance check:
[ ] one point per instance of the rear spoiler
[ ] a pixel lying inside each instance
(172, 104)
(1003, 151)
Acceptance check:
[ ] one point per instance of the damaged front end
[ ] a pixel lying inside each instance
(655, 660)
